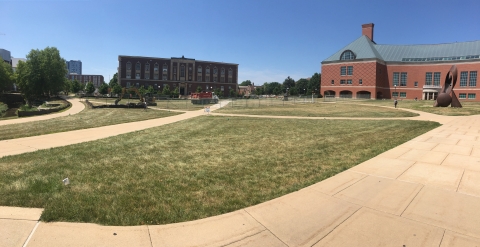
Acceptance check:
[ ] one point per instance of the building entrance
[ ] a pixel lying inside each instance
(430, 95)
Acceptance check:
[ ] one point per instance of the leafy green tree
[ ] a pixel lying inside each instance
(117, 89)
(289, 83)
(199, 89)
(6, 76)
(90, 88)
(142, 90)
(218, 92)
(150, 89)
(277, 90)
(113, 81)
(103, 89)
(43, 74)
(259, 90)
(301, 86)
(314, 83)
(67, 87)
(233, 93)
(246, 83)
(166, 90)
(76, 86)
(175, 92)
(269, 87)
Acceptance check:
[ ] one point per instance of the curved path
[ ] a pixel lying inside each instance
(77, 107)
(425, 192)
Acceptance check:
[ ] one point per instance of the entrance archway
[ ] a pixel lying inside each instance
(364, 95)
(346, 94)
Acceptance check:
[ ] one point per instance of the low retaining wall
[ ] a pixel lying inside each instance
(131, 105)
(42, 112)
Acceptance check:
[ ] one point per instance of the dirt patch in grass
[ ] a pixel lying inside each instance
(192, 169)
(88, 118)
(316, 110)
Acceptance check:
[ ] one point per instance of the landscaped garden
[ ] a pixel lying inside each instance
(192, 169)
(88, 118)
(170, 104)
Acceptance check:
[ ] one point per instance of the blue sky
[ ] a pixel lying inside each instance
(270, 40)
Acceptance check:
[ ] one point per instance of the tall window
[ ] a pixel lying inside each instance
(343, 70)
(137, 66)
(129, 66)
(137, 70)
(428, 78)
(230, 75)
(129, 70)
(155, 71)
(222, 75)
(199, 73)
(473, 79)
(350, 70)
(463, 78)
(436, 78)
(395, 78)
(403, 79)
(182, 71)
(347, 55)
(360, 82)
(147, 71)
(207, 74)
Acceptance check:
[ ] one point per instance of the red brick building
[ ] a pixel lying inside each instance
(187, 74)
(365, 69)
(97, 80)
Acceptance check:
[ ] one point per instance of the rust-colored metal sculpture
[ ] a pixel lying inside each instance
(447, 96)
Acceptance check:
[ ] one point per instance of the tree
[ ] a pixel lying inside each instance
(67, 87)
(269, 87)
(246, 83)
(314, 83)
(289, 83)
(166, 90)
(103, 89)
(301, 86)
(43, 74)
(233, 93)
(218, 92)
(113, 81)
(90, 88)
(6, 76)
(199, 89)
(150, 89)
(117, 89)
(142, 90)
(259, 91)
(76, 86)
(175, 93)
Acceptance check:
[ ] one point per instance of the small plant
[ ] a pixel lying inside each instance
(27, 108)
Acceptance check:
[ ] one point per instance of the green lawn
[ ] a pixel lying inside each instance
(171, 104)
(469, 108)
(256, 107)
(192, 169)
(88, 118)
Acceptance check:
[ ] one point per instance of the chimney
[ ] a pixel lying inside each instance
(367, 30)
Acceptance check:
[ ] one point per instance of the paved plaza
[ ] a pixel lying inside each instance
(425, 192)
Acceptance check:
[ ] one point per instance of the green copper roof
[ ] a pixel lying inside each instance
(364, 48)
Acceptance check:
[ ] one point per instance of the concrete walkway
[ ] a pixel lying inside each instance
(425, 192)
(77, 107)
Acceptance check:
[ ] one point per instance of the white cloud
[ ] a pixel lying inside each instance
(261, 76)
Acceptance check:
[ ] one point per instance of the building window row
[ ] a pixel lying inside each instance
(346, 70)
(464, 96)
(348, 82)
(402, 94)
(464, 78)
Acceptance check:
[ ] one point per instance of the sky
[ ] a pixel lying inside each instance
(269, 39)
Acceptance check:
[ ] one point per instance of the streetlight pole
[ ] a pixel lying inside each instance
(396, 96)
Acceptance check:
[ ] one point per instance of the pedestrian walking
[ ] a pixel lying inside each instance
(395, 102)
(145, 104)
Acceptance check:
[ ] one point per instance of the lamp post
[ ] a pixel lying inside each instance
(396, 96)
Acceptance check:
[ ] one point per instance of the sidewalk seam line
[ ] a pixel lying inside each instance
(367, 175)
(244, 238)
(149, 236)
(265, 227)
(336, 227)
(423, 186)
(31, 234)
(459, 182)
(443, 235)
(406, 170)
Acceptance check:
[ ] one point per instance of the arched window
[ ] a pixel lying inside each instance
(182, 71)
(147, 71)
(137, 66)
(165, 68)
(199, 73)
(230, 75)
(222, 71)
(147, 67)
(222, 75)
(155, 71)
(347, 55)
(129, 65)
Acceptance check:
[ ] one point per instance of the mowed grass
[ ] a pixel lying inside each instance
(469, 108)
(192, 169)
(315, 110)
(88, 118)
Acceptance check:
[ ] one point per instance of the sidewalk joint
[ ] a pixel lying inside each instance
(458, 186)
(423, 186)
(266, 229)
(31, 234)
(336, 227)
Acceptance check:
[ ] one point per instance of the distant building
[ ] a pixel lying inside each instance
(186, 74)
(247, 90)
(6, 56)
(74, 67)
(15, 62)
(97, 80)
(365, 69)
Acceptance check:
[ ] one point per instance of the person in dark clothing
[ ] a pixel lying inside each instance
(395, 102)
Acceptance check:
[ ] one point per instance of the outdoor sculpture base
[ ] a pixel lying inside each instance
(444, 99)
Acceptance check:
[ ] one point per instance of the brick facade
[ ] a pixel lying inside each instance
(188, 83)
(97, 80)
